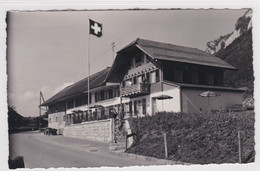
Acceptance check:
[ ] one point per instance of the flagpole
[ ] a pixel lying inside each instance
(95, 29)
(88, 65)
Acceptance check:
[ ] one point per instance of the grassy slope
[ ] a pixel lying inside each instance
(195, 138)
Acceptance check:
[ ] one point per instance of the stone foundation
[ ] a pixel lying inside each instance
(100, 130)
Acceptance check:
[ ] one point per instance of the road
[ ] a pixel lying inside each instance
(41, 151)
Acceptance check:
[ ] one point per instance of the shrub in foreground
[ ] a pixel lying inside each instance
(195, 138)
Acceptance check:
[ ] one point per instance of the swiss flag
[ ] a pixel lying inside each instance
(95, 28)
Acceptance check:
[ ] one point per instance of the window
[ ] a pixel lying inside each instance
(220, 79)
(153, 79)
(148, 77)
(90, 95)
(56, 119)
(130, 108)
(210, 79)
(90, 115)
(110, 93)
(78, 102)
(139, 79)
(123, 109)
(143, 78)
(99, 96)
(115, 93)
(106, 94)
(195, 77)
(132, 62)
(157, 75)
(135, 107)
(102, 95)
(52, 109)
(146, 59)
(50, 120)
(56, 107)
(96, 97)
(128, 83)
(134, 80)
(144, 106)
(84, 100)
(86, 115)
(70, 104)
(178, 76)
(139, 59)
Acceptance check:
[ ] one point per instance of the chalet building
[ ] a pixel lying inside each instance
(146, 77)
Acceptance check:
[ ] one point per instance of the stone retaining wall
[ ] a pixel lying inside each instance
(95, 130)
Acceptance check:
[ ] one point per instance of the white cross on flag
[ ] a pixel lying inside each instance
(95, 28)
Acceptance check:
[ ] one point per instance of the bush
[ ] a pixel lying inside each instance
(17, 162)
(195, 138)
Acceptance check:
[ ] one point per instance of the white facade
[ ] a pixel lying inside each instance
(168, 105)
(192, 102)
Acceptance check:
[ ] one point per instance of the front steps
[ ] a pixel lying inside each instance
(119, 143)
(118, 146)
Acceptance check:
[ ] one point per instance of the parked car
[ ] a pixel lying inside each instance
(50, 131)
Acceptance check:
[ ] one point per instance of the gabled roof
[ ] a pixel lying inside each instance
(170, 52)
(79, 87)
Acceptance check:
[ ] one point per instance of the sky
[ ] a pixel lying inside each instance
(48, 51)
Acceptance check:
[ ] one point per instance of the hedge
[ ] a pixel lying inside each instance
(197, 138)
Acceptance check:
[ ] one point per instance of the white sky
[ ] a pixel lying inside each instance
(48, 50)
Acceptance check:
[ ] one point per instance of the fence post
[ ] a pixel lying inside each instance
(239, 148)
(111, 130)
(165, 145)
(125, 141)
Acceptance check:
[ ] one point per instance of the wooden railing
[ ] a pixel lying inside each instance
(136, 89)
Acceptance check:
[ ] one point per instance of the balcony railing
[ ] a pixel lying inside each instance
(136, 89)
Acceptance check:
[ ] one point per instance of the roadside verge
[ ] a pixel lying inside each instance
(147, 158)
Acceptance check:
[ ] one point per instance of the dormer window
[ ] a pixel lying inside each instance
(139, 60)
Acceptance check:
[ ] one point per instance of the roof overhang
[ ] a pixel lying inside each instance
(208, 87)
(204, 87)
(175, 59)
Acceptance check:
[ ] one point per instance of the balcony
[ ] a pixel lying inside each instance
(136, 90)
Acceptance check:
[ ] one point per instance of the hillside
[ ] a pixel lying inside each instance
(236, 49)
(239, 54)
(18, 123)
(15, 120)
(243, 24)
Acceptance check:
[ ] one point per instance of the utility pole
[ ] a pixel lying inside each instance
(40, 111)
(113, 50)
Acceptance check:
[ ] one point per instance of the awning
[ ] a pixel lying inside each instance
(77, 111)
(96, 106)
(209, 94)
(163, 97)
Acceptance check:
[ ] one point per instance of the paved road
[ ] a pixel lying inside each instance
(42, 151)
